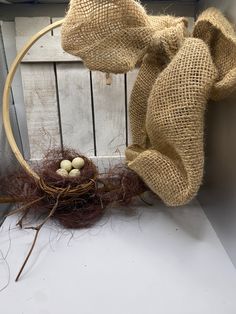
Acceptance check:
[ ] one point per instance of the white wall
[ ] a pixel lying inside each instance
(218, 195)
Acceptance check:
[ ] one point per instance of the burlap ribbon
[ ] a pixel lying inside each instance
(178, 75)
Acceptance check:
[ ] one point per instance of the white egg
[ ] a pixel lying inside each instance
(74, 173)
(62, 172)
(78, 163)
(66, 164)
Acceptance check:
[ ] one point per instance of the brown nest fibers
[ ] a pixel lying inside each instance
(75, 202)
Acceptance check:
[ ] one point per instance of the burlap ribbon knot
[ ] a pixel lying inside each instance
(178, 75)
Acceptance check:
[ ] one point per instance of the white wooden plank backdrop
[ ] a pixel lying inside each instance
(74, 96)
(131, 77)
(109, 109)
(92, 116)
(65, 103)
(46, 50)
(75, 106)
(9, 41)
(39, 87)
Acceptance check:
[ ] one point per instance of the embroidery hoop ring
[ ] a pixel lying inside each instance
(6, 96)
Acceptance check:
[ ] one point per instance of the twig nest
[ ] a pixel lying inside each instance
(62, 172)
(74, 173)
(78, 163)
(66, 164)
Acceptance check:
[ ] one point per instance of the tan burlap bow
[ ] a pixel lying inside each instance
(178, 75)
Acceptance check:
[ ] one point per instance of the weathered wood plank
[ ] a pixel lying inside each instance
(46, 50)
(131, 77)
(56, 31)
(191, 21)
(9, 42)
(75, 107)
(109, 110)
(40, 96)
(7, 160)
(75, 104)
(41, 108)
(28, 26)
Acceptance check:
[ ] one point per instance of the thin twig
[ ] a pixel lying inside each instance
(4, 199)
(38, 228)
(28, 256)
(25, 206)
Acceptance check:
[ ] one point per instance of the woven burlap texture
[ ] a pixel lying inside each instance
(178, 75)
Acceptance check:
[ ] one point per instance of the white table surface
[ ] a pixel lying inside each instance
(158, 261)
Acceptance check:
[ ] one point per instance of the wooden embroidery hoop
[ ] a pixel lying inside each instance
(6, 97)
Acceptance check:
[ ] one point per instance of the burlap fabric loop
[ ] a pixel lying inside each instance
(215, 30)
(111, 35)
(178, 75)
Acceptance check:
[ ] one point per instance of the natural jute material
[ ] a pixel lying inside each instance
(178, 75)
